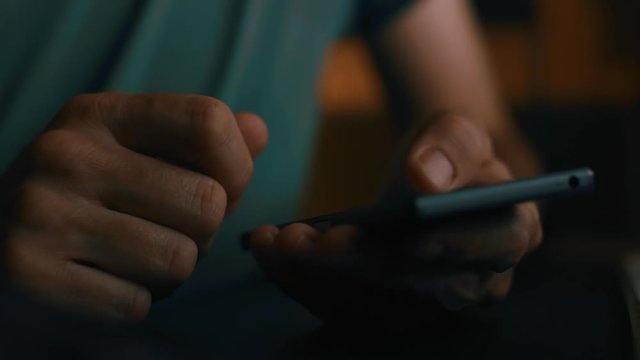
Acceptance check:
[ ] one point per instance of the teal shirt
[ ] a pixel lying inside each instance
(255, 55)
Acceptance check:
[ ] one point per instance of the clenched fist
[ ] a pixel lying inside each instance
(114, 202)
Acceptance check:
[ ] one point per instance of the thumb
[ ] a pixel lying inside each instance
(254, 131)
(448, 155)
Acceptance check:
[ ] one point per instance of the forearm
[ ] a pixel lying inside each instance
(434, 50)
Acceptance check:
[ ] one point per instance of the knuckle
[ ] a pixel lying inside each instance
(39, 206)
(289, 239)
(104, 107)
(107, 106)
(24, 262)
(535, 227)
(31, 202)
(55, 147)
(181, 259)
(71, 154)
(65, 151)
(241, 180)
(500, 289)
(468, 135)
(210, 201)
(136, 304)
(211, 118)
(517, 243)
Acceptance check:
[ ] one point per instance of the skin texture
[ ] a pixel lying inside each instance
(409, 274)
(115, 201)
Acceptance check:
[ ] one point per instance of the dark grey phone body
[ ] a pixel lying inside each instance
(461, 201)
(508, 193)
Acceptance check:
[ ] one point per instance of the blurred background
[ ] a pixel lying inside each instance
(569, 71)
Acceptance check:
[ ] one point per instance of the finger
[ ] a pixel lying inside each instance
(103, 293)
(532, 222)
(492, 172)
(189, 202)
(81, 288)
(275, 249)
(255, 134)
(121, 244)
(262, 238)
(498, 286)
(496, 171)
(278, 252)
(296, 238)
(448, 155)
(185, 128)
(300, 261)
(254, 131)
(337, 241)
(138, 250)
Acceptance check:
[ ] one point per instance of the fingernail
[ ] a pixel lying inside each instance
(437, 168)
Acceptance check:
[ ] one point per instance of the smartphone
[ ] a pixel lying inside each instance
(458, 202)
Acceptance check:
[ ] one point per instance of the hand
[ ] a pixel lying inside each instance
(409, 273)
(115, 201)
